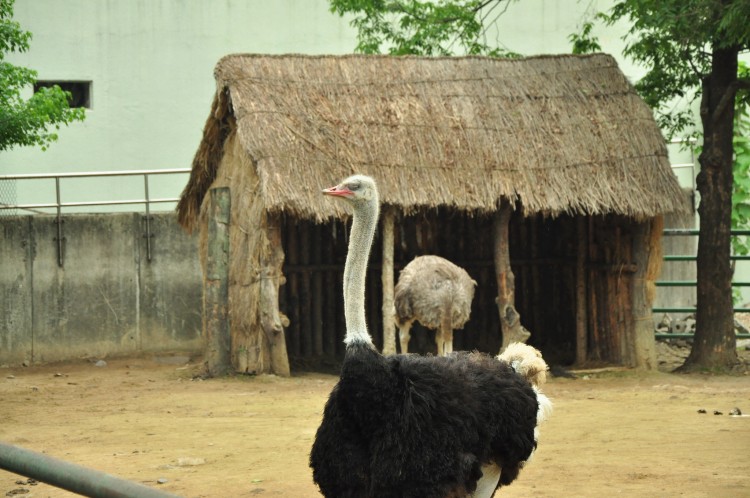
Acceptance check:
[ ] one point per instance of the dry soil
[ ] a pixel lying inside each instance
(146, 419)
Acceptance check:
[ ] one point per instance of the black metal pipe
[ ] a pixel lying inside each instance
(148, 219)
(65, 475)
(60, 239)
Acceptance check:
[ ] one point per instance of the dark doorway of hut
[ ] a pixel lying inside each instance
(581, 284)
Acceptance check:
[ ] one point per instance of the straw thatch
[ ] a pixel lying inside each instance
(553, 133)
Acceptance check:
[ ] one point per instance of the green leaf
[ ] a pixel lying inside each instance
(439, 27)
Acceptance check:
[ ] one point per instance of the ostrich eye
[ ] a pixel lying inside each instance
(354, 186)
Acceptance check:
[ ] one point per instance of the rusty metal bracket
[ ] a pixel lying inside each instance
(60, 239)
(148, 235)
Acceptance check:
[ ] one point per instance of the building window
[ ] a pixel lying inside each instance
(80, 91)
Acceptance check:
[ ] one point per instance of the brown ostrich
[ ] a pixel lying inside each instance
(437, 294)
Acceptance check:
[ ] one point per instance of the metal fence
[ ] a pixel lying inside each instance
(690, 144)
(8, 204)
(679, 232)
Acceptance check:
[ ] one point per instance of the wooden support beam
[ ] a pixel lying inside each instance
(389, 327)
(216, 284)
(647, 255)
(581, 320)
(271, 320)
(510, 319)
(317, 293)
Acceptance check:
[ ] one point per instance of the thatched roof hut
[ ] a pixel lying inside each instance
(551, 137)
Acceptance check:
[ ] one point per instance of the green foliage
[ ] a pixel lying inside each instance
(584, 42)
(668, 37)
(741, 167)
(673, 39)
(439, 27)
(26, 122)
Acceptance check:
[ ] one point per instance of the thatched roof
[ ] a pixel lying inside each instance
(555, 133)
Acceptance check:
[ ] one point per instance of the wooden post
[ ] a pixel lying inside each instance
(317, 292)
(330, 284)
(510, 319)
(593, 348)
(216, 284)
(271, 320)
(295, 310)
(647, 255)
(389, 327)
(305, 299)
(581, 329)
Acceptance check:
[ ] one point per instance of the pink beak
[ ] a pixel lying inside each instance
(341, 192)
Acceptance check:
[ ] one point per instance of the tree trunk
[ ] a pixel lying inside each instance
(510, 319)
(714, 346)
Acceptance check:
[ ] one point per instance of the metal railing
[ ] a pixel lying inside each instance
(692, 232)
(72, 477)
(672, 232)
(58, 205)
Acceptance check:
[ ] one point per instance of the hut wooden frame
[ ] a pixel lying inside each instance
(561, 144)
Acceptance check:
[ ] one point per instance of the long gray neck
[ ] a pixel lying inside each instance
(364, 223)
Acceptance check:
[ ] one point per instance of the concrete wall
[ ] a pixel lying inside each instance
(107, 299)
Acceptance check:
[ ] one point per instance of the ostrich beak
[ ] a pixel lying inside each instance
(338, 191)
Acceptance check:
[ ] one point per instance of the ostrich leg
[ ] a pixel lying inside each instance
(447, 342)
(404, 336)
(444, 335)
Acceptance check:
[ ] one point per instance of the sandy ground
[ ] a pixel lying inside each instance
(146, 419)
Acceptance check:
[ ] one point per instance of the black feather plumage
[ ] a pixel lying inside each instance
(422, 427)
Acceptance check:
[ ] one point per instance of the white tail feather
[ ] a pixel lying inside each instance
(527, 361)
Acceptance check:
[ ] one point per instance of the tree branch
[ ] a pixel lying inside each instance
(728, 97)
(704, 99)
(399, 7)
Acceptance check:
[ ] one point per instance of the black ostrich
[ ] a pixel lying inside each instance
(415, 426)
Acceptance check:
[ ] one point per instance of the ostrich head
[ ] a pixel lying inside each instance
(362, 194)
(357, 190)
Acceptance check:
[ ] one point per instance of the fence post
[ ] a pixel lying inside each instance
(216, 284)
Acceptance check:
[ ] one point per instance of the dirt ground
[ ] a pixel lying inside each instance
(147, 419)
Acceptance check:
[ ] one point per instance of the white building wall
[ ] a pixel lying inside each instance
(151, 63)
